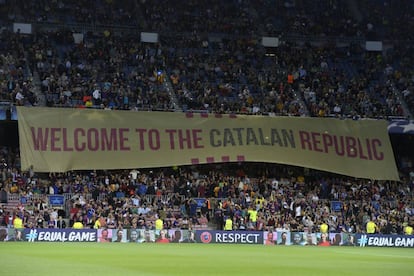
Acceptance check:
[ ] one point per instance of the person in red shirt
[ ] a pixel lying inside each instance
(163, 237)
(324, 240)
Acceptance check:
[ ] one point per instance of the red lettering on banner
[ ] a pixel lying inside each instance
(197, 139)
(151, 136)
(79, 146)
(40, 138)
(141, 132)
(93, 139)
(316, 141)
(360, 149)
(350, 143)
(339, 149)
(154, 139)
(115, 140)
(377, 154)
(171, 133)
(305, 140)
(347, 146)
(54, 139)
(186, 139)
(65, 140)
(123, 139)
(327, 142)
(109, 141)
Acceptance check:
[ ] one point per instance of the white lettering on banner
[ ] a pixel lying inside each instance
(63, 237)
(82, 236)
(52, 236)
(380, 241)
(236, 238)
(32, 235)
(404, 242)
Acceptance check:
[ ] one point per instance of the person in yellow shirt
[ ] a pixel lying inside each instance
(159, 224)
(408, 230)
(252, 213)
(228, 225)
(324, 228)
(99, 223)
(18, 227)
(371, 227)
(260, 201)
(78, 225)
(216, 191)
(18, 222)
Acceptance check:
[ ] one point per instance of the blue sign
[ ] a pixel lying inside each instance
(59, 235)
(23, 200)
(336, 206)
(56, 200)
(200, 202)
(242, 237)
(384, 240)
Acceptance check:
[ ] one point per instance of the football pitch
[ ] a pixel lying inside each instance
(200, 259)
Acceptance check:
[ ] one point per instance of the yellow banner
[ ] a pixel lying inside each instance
(58, 140)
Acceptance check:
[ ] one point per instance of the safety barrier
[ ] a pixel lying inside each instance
(267, 238)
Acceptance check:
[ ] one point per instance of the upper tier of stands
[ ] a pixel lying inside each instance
(210, 57)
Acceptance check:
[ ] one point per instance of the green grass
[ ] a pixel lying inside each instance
(199, 259)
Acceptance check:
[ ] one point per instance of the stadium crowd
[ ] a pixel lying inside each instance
(218, 66)
(254, 196)
(208, 61)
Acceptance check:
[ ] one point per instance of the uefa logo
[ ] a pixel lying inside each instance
(206, 237)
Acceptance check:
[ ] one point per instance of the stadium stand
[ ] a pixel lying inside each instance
(209, 57)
